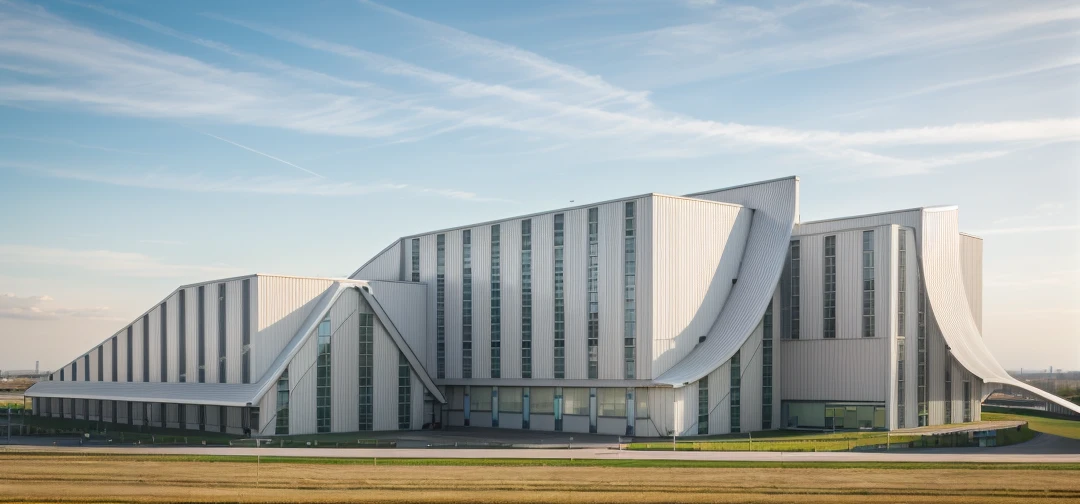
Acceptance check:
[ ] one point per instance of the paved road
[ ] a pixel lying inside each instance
(1044, 449)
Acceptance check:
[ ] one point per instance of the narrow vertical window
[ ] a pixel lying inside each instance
(901, 328)
(967, 401)
(736, 392)
(559, 319)
(164, 344)
(829, 299)
(86, 367)
(404, 394)
(100, 366)
(146, 348)
(367, 371)
(924, 415)
(222, 348)
(466, 304)
(629, 294)
(440, 305)
(200, 341)
(794, 295)
(322, 380)
(766, 367)
(74, 370)
(115, 364)
(868, 283)
(496, 303)
(948, 392)
(703, 406)
(593, 334)
(130, 355)
(182, 335)
(281, 426)
(526, 298)
(416, 259)
(245, 331)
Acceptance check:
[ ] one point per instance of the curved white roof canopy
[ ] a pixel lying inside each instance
(776, 210)
(235, 394)
(940, 260)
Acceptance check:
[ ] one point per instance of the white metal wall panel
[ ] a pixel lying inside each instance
(454, 291)
(971, 265)
(750, 383)
(661, 409)
(211, 339)
(191, 350)
(385, 266)
(172, 321)
(106, 361)
(234, 417)
(833, 369)
(720, 399)
(686, 408)
(345, 363)
(234, 338)
(283, 304)
(406, 305)
(268, 413)
(543, 279)
(937, 360)
(417, 390)
(213, 419)
(510, 273)
(137, 351)
(891, 272)
(385, 402)
(428, 274)
(698, 247)
(645, 299)
(611, 289)
(909, 218)
(575, 284)
(302, 377)
(122, 351)
(481, 301)
(94, 363)
(155, 345)
(849, 287)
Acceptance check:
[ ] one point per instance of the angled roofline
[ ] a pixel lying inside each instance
(740, 186)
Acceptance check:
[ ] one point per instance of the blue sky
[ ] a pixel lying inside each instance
(144, 145)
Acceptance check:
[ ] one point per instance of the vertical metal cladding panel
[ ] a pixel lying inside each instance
(106, 359)
(282, 305)
(662, 409)
(849, 285)
(958, 375)
(234, 337)
(172, 320)
(302, 378)
(210, 348)
(543, 279)
(910, 218)
(234, 419)
(777, 371)
(428, 273)
(611, 288)
(385, 401)
(936, 360)
(911, 344)
(889, 272)
(812, 286)
(971, 267)
(417, 415)
(454, 289)
(697, 250)
(510, 276)
(136, 351)
(213, 418)
(345, 363)
(385, 266)
(268, 413)
(172, 416)
(720, 399)
(192, 307)
(155, 345)
(93, 363)
(575, 282)
(832, 369)
(122, 351)
(406, 305)
(750, 383)
(884, 284)
(686, 408)
(481, 302)
(645, 304)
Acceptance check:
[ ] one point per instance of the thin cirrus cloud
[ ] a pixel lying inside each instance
(1026, 229)
(44, 308)
(125, 264)
(561, 104)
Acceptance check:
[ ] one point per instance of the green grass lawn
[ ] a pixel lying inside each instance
(1056, 426)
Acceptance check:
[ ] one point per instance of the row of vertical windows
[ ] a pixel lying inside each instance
(466, 304)
(115, 364)
(221, 333)
(736, 392)
(560, 321)
(86, 367)
(130, 355)
(496, 302)
(948, 391)
(703, 406)
(245, 332)
(794, 288)
(967, 401)
(526, 298)
(901, 383)
(74, 372)
(146, 348)
(367, 371)
(416, 259)
(322, 381)
(404, 394)
(165, 345)
(901, 328)
(829, 300)
(766, 367)
(630, 294)
(201, 340)
(281, 425)
(182, 347)
(593, 272)
(924, 415)
(440, 305)
(101, 363)
(868, 283)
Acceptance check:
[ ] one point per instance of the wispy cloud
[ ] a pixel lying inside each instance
(128, 264)
(1027, 229)
(68, 143)
(263, 154)
(163, 242)
(43, 308)
(1043, 210)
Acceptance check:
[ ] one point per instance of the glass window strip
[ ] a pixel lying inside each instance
(440, 305)
(703, 406)
(736, 392)
(416, 259)
(281, 426)
(794, 264)
(630, 294)
(496, 302)
(366, 371)
(592, 296)
(322, 380)
(404, 393)
(901, 330)
(181, 320)
(767, 367)
(829, 295)
(466, 304)
(559, 315)
(868, 284)
(222, 347)
(526, 298)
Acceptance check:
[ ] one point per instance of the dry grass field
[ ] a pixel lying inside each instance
(36, 478)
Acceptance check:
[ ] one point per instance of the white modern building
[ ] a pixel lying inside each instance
(709, 313)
